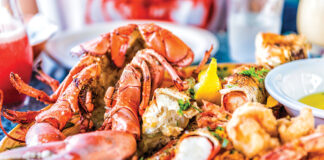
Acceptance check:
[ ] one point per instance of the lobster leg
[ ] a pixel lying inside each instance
(43, 77)
(203, 61)
(4, 131)
(24, 88)
(108, 97)
(87, 107)
(20, 117)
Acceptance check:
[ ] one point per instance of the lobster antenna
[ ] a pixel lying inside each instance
(4, 131)
(204, 60)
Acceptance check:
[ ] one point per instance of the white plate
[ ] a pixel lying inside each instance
(289, 82)
(60, 45)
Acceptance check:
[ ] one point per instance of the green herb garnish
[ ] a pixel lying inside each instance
(221, 139)
(185, 105)
(220, 128)
(217, 136)
(191, 93)
(224, 143)
(259, 75)
(231, 85)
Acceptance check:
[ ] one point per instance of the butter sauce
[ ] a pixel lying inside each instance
(315, 100)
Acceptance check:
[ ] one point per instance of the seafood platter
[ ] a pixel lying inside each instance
(133, 95)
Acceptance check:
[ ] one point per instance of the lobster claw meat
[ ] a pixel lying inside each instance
(93, 145)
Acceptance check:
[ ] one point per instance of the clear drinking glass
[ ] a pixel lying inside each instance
(15, 52)
(246, 18)
(310, 22)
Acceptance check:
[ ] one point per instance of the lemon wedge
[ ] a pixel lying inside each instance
(271, 102)
(209, 84)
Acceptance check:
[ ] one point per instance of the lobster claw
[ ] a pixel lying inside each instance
(167, 44)
(96, 47)
(93, 145)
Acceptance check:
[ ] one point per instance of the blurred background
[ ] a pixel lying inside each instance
(55, 26)
(234, 22)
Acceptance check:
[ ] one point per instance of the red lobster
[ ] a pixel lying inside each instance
(116, 45)
(123, 104)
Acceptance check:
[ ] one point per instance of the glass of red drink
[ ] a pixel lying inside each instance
(15, 52)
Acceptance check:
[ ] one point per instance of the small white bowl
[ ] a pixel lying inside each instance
(291, 81)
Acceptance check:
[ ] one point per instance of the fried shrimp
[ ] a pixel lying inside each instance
(253, 129)
(296, 127)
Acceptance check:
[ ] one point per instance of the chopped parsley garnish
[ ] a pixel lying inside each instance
(231, 85)
(224, 143)
(219, 134)
(142, 158)
(185, 105)
(220, 128)
(191, 93)
(259, 75)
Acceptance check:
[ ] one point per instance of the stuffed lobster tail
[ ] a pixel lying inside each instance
(273, 49)
(186, 147)
(94, 145)
(245, 85)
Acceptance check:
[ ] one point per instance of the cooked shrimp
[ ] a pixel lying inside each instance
(311, 146)
(296, 127)
(253, 129)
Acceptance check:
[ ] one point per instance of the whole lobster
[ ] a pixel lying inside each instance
(124, 103)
